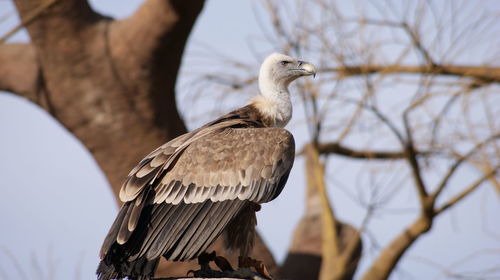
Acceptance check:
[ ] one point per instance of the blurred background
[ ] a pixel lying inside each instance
(398, 137)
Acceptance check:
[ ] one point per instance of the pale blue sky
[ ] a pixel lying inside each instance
(43, 168)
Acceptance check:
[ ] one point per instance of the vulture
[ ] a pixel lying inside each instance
(206, 183)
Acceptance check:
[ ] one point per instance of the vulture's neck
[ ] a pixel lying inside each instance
(274, 102)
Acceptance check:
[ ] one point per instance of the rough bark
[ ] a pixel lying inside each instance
(104, 88)
(19, 70)
(109, 82)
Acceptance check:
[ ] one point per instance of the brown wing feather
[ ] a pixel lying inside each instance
(239, 163)
(178, 232)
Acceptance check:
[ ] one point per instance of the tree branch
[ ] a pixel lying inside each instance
(339, 149)
(459, 162)
(415, 39)
(154, 37)
(467, 191)
(29, 18)
(482, 74)
(75, 14)
(330, 245)
(411, 156)
(383, 118)
(339, 254)
(19, 70)
(387, 260)
(156, 21)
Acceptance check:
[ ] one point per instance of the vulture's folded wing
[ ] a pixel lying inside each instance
(245, 164)
(190, 192)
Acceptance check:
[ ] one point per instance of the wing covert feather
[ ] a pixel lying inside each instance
(233, 164)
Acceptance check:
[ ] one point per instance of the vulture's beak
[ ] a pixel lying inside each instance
(307, 68)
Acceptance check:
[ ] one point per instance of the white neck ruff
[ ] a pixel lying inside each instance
(277, 107)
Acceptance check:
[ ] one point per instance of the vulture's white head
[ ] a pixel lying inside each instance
(275, 75)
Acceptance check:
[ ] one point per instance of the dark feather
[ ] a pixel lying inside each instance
(240, 233)
(113, 232)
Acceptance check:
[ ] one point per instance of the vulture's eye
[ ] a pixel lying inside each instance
(284, 62)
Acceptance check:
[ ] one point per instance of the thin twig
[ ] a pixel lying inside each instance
(459, 162)
(28, 19)
(467, 191)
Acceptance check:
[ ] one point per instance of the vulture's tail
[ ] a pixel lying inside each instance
(140, 269)
(116, 262)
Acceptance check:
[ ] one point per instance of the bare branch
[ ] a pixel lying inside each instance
(388, 123)
(159, 24)
(439, 118)
(459, 162)
(339, 149)
(483, 74)
(415, 38)
(278, 26)
(29, 18)
(230, 82)
(75, 14)
(387, 260)
(411, 156)
(330, 245)
(467, 191)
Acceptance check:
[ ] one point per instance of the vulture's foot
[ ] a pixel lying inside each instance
(223, 264)
(205, 270)
(244, 271)
(245, 263)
